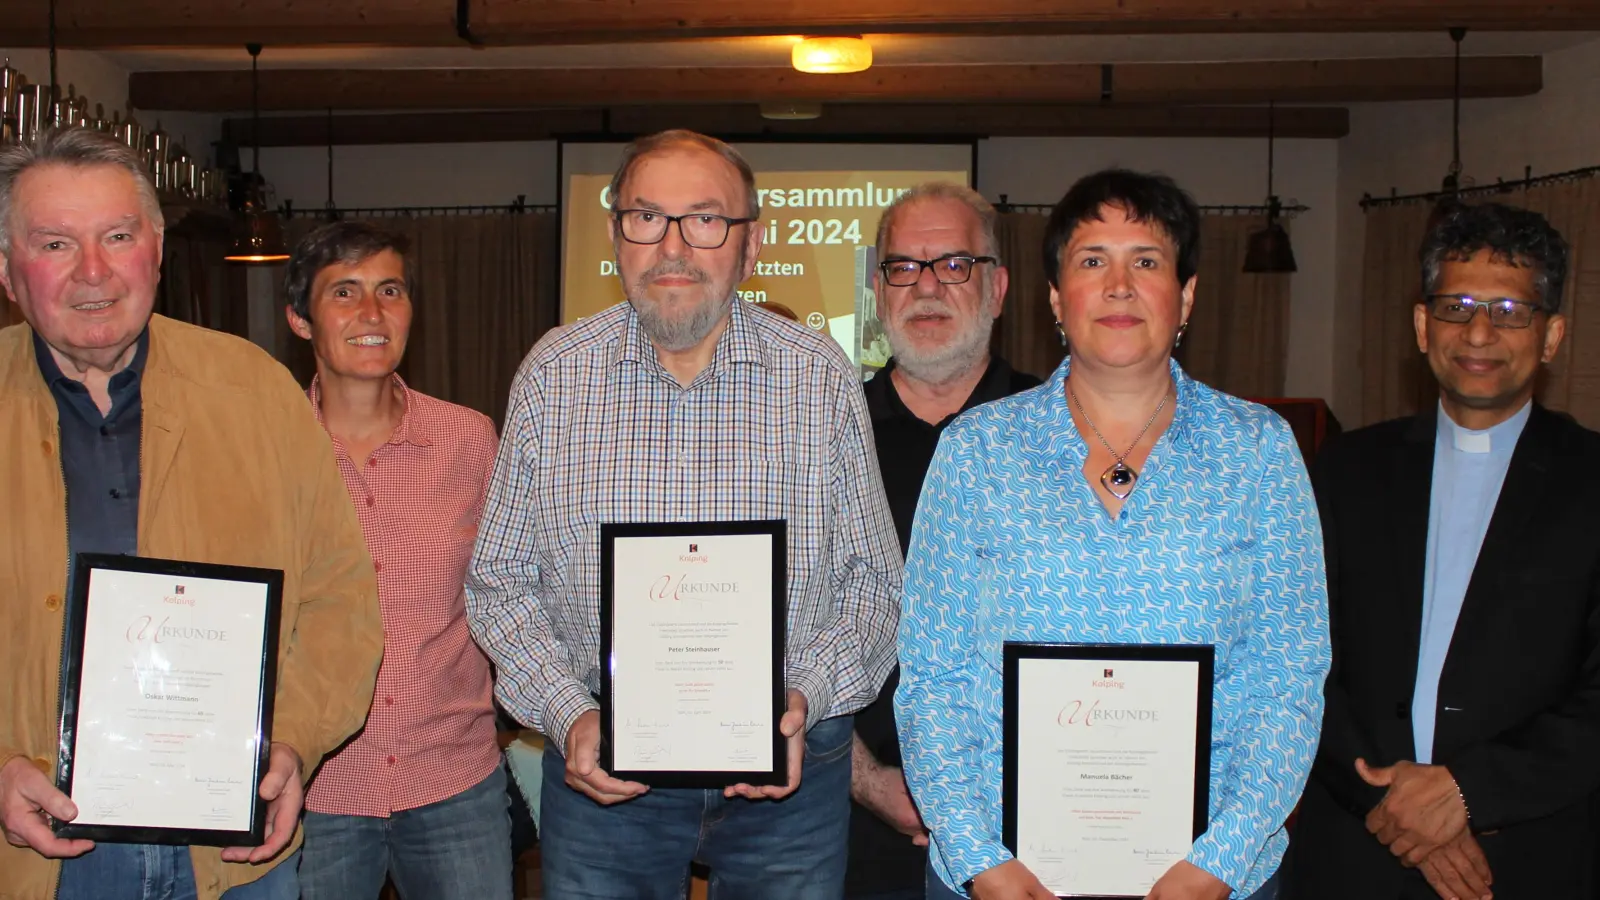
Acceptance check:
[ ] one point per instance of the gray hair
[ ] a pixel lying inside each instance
(655, 143)
(944, 190)
(79, 148)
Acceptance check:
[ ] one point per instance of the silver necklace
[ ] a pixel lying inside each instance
(1119, 477)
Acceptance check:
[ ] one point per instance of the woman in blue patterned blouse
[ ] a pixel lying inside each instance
(1119, 502)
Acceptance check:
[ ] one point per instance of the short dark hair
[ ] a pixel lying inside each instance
(1513, 236)
(339, 242)
(1143, 197)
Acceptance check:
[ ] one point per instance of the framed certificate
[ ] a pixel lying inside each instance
(1107, 762)
(691, 648)
(166, 700)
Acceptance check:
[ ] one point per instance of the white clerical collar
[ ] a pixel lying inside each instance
(1504, 435)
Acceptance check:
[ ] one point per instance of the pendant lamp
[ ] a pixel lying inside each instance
(257, 234)
(1450, 185)
(1269, 250)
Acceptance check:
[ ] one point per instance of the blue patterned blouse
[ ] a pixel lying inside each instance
(1219, 544)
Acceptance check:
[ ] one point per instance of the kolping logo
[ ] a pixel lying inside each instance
(178, 589)
(694, 548)
(1110, 673)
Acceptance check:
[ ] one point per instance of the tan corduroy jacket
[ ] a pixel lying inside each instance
(233, 469)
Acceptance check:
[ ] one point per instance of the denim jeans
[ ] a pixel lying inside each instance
(640, 849)
(159, 872)
(937, 890)
(456, 849)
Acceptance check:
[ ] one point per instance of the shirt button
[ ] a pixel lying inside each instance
(52, 602)
(391, 760)
(388, 701)
(372, 462)
(371, 502)
(377, 567)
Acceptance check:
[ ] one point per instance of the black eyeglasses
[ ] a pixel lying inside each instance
(949, 269)
(1504, 312)
(702, 231)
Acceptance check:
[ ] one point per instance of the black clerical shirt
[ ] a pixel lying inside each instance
(881, 858)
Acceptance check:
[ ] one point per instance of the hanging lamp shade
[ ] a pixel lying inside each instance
(1269, 251)
(257, 234)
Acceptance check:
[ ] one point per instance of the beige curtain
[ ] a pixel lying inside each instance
(1572, 382)
(1238, 333)
(197, 285)
(1238, 337)
(486, 290)
(1025, 335)
(1395, 380)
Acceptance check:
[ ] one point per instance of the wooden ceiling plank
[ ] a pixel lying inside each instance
(100, 24)
(1326, 81)
(105, 24)
(857, 120)
(579, 21)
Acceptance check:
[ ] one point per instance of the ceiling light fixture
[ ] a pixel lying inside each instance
(791, 112)
(257, 235)
(1269, 251)
(832, 55)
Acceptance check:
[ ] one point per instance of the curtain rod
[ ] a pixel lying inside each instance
(1006, 206)
(1499, 187)
(520, 205)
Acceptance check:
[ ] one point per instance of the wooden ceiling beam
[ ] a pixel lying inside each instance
(844, 121)
(605, 21)
(186, 23)
(1325, 81)
(105, 24)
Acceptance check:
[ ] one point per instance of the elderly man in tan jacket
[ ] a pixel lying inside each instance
(124, 432)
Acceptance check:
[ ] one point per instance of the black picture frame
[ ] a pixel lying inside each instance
(777, 530)
(1014, 652)
(78, 613)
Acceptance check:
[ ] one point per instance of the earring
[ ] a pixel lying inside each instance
(1061, 333)
(1182, 329)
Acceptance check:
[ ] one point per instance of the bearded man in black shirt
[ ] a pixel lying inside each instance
(940, 286)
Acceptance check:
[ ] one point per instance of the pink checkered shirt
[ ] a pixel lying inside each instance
(430, 733)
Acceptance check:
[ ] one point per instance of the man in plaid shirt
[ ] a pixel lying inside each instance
(683, 404)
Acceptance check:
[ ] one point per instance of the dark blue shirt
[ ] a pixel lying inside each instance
(99, 455)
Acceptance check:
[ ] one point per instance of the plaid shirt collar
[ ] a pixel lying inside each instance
(740, 343)
(414, 427)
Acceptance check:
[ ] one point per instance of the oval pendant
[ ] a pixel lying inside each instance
(1119, 480)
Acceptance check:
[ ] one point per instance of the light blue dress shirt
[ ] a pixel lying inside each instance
(1220, 543)
(1468, 469)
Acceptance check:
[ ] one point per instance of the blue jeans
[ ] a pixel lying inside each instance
(937, 890)
(456, 849)
(640, 849)
(159, 872)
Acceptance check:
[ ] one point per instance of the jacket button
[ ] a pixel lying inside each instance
(52, 602)
(1400, 711)
(42, 764)
(45, 446)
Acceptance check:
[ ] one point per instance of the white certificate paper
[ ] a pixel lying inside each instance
(1105, 758)
(168, 705)
(691, 666)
